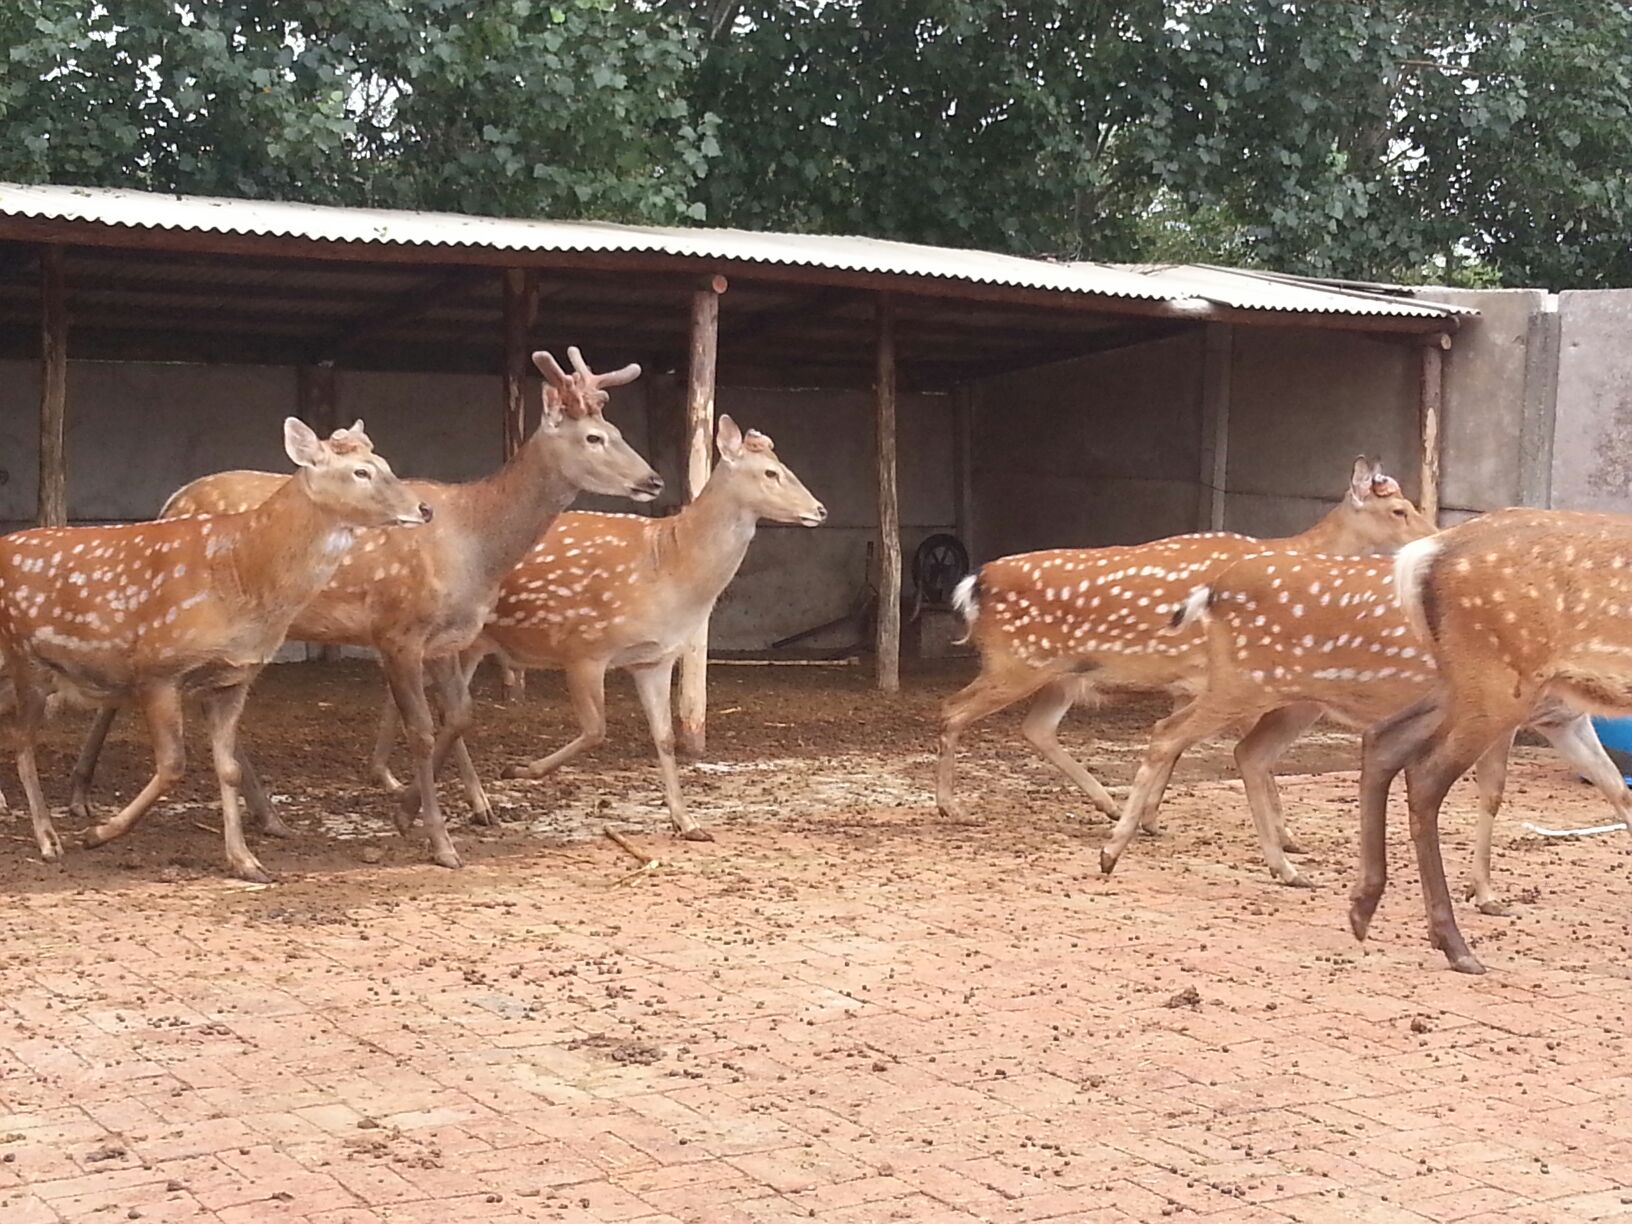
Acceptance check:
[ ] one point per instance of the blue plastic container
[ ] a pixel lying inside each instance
(1616, 735)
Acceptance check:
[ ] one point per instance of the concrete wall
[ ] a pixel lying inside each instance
(1102, 450)
(1302, 405)
(139, 431)
(1592, 452)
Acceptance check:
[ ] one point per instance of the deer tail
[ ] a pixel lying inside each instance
(1411, 568)
(1193, 610)
(966, 602)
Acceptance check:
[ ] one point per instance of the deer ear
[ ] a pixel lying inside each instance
(303, 446)
(551, 418)
(1360, 480)
(729, 437)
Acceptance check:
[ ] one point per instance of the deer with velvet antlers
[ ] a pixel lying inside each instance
(617, 590)
(1521, 608)
(148, 612)
(1291, 637)
(420, 599)
(1075, 624)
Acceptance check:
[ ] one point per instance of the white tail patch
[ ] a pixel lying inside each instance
(1193, 610)
(1410, 569)
(964, 603)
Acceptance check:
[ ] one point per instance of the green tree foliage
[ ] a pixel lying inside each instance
(1408, 139)
(577, 108)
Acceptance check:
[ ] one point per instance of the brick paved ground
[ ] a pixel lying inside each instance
(868, 1021)
(852, 1017)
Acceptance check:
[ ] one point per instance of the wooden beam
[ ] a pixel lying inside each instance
(700, 375)
(888, 644)
(520, 309)
(53, 487)
(1431, 392)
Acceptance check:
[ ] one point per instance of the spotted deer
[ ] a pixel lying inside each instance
(616, 590)
(1076, 624)
(421, 599)
(1521, 607)
(148, 612)
(1291, 637)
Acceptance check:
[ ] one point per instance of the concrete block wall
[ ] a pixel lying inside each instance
(1105, 449)
(1592, 453)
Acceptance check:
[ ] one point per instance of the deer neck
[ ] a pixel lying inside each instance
(506, 513)
(708, 539)
(285, 552)
(1336, 535)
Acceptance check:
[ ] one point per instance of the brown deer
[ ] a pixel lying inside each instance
(1521, 607)
(616, 590)
(1075, 624)
(1291, 637)
(147, 612)
(420, 600)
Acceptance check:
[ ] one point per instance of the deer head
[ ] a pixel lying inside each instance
(1376, 517)
(345, 476)
(587, 449)
(761, 481)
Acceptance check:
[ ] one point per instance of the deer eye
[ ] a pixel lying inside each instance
(595, 439)
(363, 474)
(772, 474)
(1399, 513)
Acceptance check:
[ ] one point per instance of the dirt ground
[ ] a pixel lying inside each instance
(844, 1008)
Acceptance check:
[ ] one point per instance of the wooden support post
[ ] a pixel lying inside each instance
(1431, 394)
(888, 645)
(317, 397)
(53, 487)
(520, 309)
(1218, 356)
(699, 460)
(963, 476)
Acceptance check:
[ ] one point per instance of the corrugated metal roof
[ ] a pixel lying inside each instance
(1183, 287)
(1249, 290)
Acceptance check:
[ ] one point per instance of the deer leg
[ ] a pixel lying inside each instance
(224, 707)
(406, 672)
(90, 752)
(1384, 751)
(385, 739)
(586, 685)
(1169, 740)
(1255, 757)
(162, 707)
(985, 695)
(452, 682)
(1041, 729)
(30, 714)
(654, 687)
(258, 801)
(1490, 774)
(1458, 743)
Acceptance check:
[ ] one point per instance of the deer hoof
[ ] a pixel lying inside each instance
(484, 817)
(272, 826)
(1360, 911)
(1466, 963)
(51, 848)
(696, 835)
(953, 812)
(1290, 845)
(1296, 880)
(251, 871)
(95, 836)
(1150, 830)
(1107, 862)
(1495, 908)
(446, 856)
